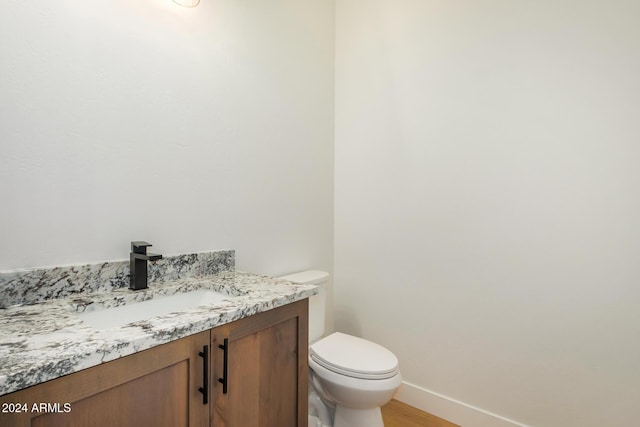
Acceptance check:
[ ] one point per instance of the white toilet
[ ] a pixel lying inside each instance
(350, 378)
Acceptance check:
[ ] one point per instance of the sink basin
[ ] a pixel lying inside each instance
(116, 317)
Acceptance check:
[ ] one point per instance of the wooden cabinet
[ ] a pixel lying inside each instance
(267, 370)
(155, 387)
(267, 375)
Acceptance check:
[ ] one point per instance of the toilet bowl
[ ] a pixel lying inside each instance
(357, 375)
(350, 377)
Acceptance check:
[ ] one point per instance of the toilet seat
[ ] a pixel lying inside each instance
(354, 357)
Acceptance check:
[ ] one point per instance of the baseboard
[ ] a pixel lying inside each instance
(450, 409)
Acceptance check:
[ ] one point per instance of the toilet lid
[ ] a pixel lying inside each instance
(354, 357)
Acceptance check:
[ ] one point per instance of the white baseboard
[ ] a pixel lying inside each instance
(450, 409)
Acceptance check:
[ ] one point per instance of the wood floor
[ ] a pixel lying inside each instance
(398, 414)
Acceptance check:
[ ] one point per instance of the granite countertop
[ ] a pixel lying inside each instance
(46, 340)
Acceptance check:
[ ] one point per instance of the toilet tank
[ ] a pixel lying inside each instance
(317, 303)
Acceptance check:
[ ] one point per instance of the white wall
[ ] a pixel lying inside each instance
(487, 203)
(193, 129)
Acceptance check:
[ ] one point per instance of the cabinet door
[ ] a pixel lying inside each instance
(153, 388)
(267, 370)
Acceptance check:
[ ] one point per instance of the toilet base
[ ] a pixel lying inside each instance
(348, 417)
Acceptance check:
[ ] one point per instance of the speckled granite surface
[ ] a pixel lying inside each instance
(46, 340)
(41, 284)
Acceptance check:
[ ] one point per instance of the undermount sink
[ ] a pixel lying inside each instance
(116, 317)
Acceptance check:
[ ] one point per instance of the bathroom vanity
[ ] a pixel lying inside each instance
(241, 361)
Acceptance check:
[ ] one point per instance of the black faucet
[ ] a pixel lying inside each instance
(138, 265)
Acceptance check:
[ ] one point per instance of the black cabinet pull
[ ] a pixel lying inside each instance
(205, 374)
(224, 347)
